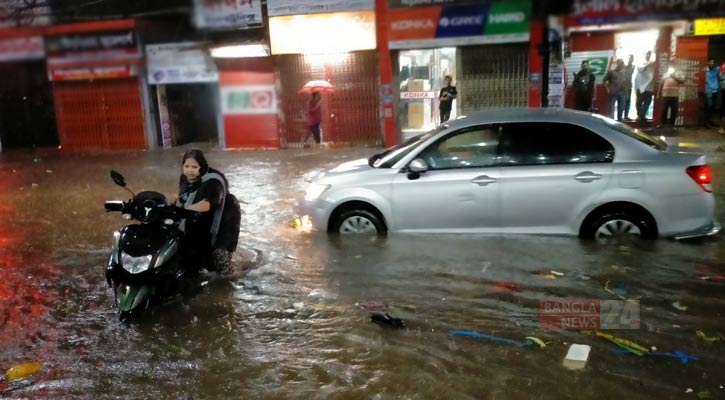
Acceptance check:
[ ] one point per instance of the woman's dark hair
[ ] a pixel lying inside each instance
(199, 157)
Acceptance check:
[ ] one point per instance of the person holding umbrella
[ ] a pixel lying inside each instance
(314, 116)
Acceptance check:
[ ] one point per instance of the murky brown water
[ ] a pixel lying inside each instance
(246, 339)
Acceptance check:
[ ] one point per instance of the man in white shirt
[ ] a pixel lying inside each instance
(644, 85)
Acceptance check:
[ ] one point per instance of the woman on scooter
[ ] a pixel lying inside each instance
(216, 232)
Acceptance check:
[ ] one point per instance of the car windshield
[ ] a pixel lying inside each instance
(392, 155)
(638, 135)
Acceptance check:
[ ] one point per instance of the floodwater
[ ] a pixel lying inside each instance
(261, 335)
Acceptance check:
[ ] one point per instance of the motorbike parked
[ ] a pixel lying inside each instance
(149, 262)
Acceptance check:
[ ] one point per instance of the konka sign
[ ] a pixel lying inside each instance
(594, 12)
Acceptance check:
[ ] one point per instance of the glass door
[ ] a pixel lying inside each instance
(421, 74)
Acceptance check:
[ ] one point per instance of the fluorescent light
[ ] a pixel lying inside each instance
(240, 51)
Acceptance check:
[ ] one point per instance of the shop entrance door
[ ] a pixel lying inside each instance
(421, 73)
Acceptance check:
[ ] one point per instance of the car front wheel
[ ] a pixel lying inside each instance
(618, 225)
(358, 222)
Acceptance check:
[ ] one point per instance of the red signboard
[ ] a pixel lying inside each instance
(89, 73)
(591, 12)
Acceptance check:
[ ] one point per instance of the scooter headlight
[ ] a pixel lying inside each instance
(135, 265)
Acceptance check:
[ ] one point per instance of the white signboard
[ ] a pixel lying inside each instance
(417, 95)
(186, 62)
(22, 48)
(295, 7)
(227, 14)
(253, 99)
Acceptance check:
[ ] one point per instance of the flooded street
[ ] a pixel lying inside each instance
(250, 337)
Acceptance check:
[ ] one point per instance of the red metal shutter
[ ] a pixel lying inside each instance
(102, 114)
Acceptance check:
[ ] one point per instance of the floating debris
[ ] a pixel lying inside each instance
(387, 320)
(679, 306)
(577, 356)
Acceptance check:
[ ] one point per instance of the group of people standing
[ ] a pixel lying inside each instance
(619, 85)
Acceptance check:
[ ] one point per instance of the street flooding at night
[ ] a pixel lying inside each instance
(294, 322)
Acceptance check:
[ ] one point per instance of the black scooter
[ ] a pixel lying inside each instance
(149, 262)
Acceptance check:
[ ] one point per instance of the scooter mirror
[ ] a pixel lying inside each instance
(118, 179)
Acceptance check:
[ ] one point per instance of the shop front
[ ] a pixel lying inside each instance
(26, 107)
(603, 31)
(97, 88)
(337, 45)
(484, 48)
(185, 86)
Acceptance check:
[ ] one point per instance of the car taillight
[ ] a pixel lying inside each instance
(702, 175)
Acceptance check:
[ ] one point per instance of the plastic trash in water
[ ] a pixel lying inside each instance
(680, 355)
(529, 340)
(387, 320)
(577, 356)
(21, 371)
(709, 339)
(623, 343)
(679, 306)
(507, 287)
(322, 294)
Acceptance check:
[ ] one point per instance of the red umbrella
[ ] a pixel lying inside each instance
(317, 86)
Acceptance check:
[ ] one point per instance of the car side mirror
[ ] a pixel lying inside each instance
(118, 179)
(416, 167)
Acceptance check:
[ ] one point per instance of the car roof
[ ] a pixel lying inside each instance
(526, 115)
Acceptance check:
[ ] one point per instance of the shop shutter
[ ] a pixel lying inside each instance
(102, 114)
(350, 116)
(493, 77)
(690, 58)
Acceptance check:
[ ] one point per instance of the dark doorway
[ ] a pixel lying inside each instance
(27, 117)
(193, 112)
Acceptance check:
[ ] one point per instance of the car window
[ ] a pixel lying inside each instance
(637, 135)
(392, 155)
(466, 148)
(533, 143)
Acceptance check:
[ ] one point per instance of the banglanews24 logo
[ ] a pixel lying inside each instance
(589, 314)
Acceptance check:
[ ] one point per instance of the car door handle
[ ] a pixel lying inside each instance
(483, 180)
(587, 177)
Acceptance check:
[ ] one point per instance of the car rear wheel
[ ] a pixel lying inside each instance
(618, 225)
(358, 222)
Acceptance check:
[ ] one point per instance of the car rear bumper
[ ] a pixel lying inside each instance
(707, 230)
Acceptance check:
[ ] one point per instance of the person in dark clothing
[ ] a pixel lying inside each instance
(216, 232)
(314, 116)
(445, 98)
(584, 82)
(616, 85)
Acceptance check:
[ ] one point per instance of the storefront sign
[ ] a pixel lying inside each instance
(260, 99)
(227, 14)
(323, 33)
(295, 7)
(594, 12)
(710, 26)
(91, 42)
(22, 13)
(103, 47)
(419, 3)
(76, 74)
(179, 63)
(599, 62)
(22, 48)
(499, 22)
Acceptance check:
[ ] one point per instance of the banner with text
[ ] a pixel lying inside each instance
(295, 7)
(22, 48)
(227, 14)
(186, 62)
(499, 22)
(597, 12)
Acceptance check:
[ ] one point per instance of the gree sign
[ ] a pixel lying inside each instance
(257, 99)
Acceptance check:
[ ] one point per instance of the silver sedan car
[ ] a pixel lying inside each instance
(527, 171)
